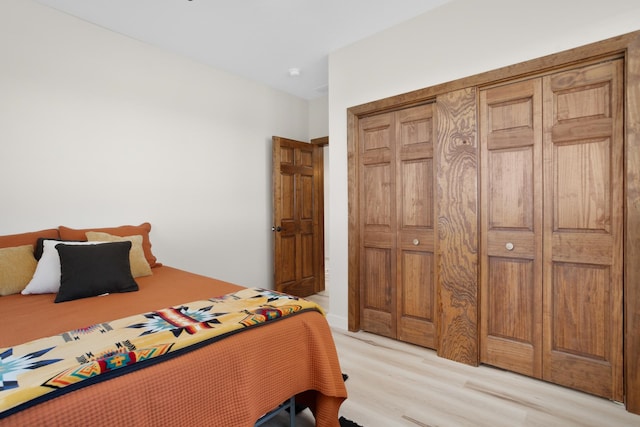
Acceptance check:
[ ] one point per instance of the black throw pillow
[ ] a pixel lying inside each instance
(37, 251)
(91, 270)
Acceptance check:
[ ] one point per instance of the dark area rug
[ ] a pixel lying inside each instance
(348, 423)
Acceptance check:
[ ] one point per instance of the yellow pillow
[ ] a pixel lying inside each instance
(139, 265)
(17, 266)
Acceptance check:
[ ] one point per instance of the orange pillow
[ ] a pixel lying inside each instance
(29, 238)
(143, 229)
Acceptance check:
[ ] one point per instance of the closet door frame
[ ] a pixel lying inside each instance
(628, 47)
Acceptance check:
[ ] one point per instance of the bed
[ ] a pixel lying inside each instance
(232, 380)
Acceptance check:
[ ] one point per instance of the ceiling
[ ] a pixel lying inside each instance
(258, 39)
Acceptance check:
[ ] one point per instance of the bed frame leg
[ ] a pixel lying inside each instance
(292, 411)
(289, 404)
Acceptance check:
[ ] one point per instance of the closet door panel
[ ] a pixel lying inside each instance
(377, 197)
(378, 224)
(583, 148)
(581, 302)
(415, 236)
(510, 340)
(514, 323)
(511, 177)
(511, 224)
(582, 350)
(416, 208)
(376, 295)
(417, 299)
(582, 179)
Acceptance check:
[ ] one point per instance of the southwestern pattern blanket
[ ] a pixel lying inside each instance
(44, 368)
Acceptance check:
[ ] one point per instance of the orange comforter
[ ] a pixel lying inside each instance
(229, 383)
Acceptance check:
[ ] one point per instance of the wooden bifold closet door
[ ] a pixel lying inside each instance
(552, 226)
(397, 225)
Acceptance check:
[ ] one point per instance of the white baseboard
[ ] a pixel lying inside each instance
(338, 322)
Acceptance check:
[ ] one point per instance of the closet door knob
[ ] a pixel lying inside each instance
(416, 242)
(509, 246)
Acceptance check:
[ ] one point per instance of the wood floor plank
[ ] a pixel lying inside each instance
(406, 385)
(397, 384)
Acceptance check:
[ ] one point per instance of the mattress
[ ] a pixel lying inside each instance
(231, 382)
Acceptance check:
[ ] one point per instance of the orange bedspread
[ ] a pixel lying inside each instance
(229, 383)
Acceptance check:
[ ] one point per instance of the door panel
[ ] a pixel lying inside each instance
(377, 246)
(510, 172)
(511, 227)
(397, 225)
(417, 193)
(580, 304)
(583, 149)
(552, 299)
(377, 194)
(582, 182)
(415, 236)
(378, 310)
(514, 323)
(298, 217)
(286, 244)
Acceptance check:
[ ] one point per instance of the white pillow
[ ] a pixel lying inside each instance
(46, 278)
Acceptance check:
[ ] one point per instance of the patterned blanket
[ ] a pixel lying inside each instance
(41, 369)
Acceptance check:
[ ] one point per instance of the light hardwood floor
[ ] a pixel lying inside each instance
(396, 384)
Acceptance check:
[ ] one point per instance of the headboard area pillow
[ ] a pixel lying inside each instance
(39, 248)
(17, 263)
(29, 238)
(143, 229)
(17, 266)
(139, 264)
(92, 270)
(46, 278)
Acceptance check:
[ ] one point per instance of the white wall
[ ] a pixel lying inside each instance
(319, 117)
(97, 129)
(318, 128)
(458, 39)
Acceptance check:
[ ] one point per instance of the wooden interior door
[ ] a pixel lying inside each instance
(511, 227)
(377, 175)
(298, 217)
(397, 273)
(552, 224)
(416, 289)
(583, 226)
